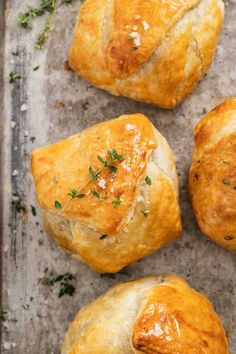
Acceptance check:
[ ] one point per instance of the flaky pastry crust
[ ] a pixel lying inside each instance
(212, 180)
(92, 229)
(154, 51)
(152, 315)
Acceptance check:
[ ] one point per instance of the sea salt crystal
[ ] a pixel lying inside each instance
(8, 345)
(15, 173)
(24, 107)
(102, 183)
(136, 17)
(135, 28)
(129, 126)
(134, 35)
(145, 25)
(140, 198)
(137, 42)
(126, 167)
(13, 124)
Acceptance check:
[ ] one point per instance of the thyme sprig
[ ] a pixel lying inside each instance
(46, 7)
(13, 77)
(112, 157)
(64, 281)
(43, 36)
(24, 19)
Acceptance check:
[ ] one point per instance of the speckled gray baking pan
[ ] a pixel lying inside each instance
(51, 103)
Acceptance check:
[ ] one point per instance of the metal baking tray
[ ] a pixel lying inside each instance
(49, 104)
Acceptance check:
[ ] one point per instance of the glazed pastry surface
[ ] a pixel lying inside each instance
(152, 315)
(94, 229)
(212, 180)
(154, 50)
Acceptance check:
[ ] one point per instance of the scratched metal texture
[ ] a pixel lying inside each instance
(60, 104)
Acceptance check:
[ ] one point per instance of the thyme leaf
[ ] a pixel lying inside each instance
(145, 213)
(116, 202)
(148, 180)
(96, 194)
(57, 204)
(3, 315)
(13, 77)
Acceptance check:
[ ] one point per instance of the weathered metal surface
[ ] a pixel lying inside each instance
(37, 318)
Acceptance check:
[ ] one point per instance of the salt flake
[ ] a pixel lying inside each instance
(145, 25)
(24, 107)
(102, 183)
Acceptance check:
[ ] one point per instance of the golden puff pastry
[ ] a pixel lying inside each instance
(153, 315)
(153, 51)
(119, 209)
(212, 181)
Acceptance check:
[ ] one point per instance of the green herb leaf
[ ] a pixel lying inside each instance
(117, 202)
(80, 196)
(113, 154)
(134, 49)
(66, 289)
(96, 194)
(46, 281)
(226, 181)
(3, 315)
(18, 204)
(36, 68)
(93, 174)
(73, 193)
(145, 213)
(34, 12)
(13, 77)
(204, 111)
(48, 5)
(113, 169)
(33, 210)
(148, 180)
(101, 160)
(24, 20)
(57, 204)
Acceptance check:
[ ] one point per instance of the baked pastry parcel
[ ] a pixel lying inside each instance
(152, 315)
(212, 180)
(153, 51)
(109, 194)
